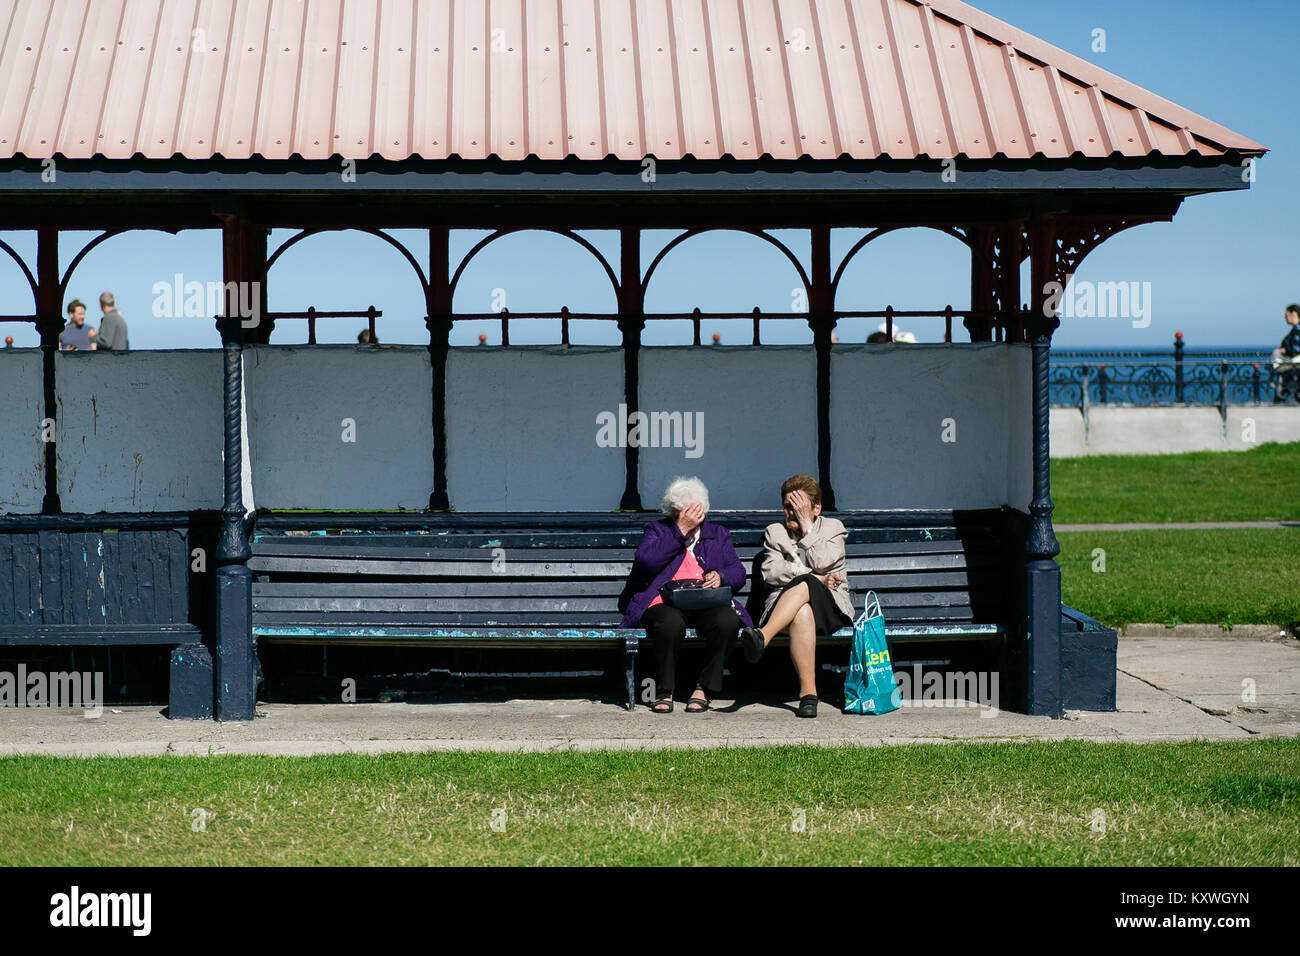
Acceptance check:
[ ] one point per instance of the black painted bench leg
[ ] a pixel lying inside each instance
(629, 652)
(191, 683)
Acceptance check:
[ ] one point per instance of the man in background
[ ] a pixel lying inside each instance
(112, 329)
(77, 336)
(1286, 358)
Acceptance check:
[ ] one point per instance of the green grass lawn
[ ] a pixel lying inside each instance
(1255, 485)
(1224, 804)
(1221, 576)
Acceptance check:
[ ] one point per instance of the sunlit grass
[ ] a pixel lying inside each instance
(1255, 485)
(1221, 576)
(1223, 804)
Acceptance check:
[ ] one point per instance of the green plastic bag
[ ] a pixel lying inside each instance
(869, 686)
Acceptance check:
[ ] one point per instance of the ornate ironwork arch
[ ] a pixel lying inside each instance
(501, 233)
(27, 273)
(1076, 237)
(97, 241)
(378, 233)
(876, 234)
(691, 233)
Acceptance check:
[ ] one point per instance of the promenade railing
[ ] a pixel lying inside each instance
(1218, 378)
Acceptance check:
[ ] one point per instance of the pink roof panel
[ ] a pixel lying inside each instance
(556, 78)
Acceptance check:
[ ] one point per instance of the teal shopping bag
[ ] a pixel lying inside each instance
(869, 686)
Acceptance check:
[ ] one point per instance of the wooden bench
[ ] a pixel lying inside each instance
(109, 581)
(477, 581)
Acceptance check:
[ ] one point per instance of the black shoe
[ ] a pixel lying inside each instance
(751, 638)
(807, 706)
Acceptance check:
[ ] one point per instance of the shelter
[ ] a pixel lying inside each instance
(243, 115)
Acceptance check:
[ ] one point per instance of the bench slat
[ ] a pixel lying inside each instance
(501, 586)
(422, 548)
(553, 602)
(574, 569)
(535, 617)
(442, 568)
(539, 616)
(65, 635)
(492, 587)
(526, 637)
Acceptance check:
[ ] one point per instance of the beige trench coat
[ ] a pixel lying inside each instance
(824, 546)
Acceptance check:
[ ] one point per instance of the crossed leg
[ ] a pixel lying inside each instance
(793, 613)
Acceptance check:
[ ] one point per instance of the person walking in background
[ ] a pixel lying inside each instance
(77, 336)
(112, 328)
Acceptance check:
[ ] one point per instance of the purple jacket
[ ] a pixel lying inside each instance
(660, 554)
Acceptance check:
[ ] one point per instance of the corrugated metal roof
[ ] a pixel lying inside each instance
(557, 78)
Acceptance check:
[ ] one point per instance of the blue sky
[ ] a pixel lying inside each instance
(1221, 272)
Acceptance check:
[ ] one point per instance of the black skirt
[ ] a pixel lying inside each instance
(826, 613)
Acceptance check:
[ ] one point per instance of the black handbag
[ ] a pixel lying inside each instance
(692, 595)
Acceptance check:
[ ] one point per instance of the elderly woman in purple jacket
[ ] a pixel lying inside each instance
(684, 545)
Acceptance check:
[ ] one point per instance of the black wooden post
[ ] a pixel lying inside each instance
(236, 691)
(1011, 252)
(631, 320)
(983, 283)
(1178, 368)
(1042, 610)
(821, 317)
(49, 324)
(1223, 392)
(438, 321)
(1084, 398)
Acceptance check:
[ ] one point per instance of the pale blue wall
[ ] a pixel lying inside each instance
(141, 431)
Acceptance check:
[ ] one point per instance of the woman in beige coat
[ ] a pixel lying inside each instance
(808, 590)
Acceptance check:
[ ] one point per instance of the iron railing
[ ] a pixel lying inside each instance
(1241, 377)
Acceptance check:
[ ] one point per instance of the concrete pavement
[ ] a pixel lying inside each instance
(1173, 684)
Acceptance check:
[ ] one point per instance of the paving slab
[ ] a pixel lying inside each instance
(1253, 684)
(1240, 632)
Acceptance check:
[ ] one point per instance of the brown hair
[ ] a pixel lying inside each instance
(74, 305)
(805, 483)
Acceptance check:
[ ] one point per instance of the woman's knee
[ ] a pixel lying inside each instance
(662, 622)
(721, 623)
(804, 616)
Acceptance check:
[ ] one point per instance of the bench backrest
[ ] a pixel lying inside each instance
(572, 578)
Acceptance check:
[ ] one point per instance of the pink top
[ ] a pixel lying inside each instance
(690, 569)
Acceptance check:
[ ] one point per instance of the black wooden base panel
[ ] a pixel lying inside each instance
(190, 691)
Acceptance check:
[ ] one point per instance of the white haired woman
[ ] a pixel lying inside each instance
(684, 546)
